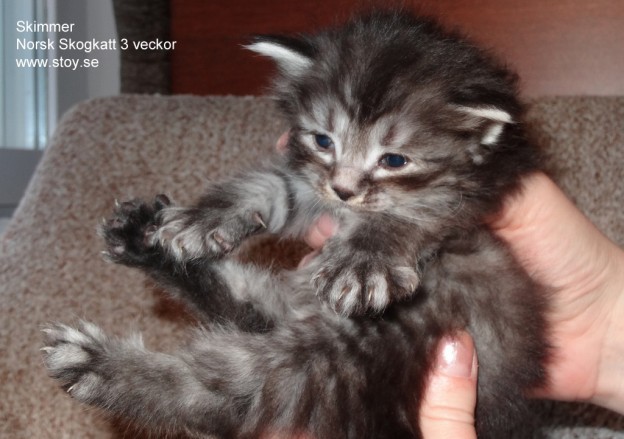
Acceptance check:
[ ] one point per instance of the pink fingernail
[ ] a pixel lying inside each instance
(456, 356)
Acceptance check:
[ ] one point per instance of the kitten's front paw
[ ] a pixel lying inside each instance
(128, 232)
(189, 233)
(359, 283)
(72, 356)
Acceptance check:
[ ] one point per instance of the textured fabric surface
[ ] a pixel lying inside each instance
(127, 146)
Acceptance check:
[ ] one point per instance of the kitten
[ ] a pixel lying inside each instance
(409, 137)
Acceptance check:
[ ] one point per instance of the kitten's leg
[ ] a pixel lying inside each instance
(227, 214)
(233, 384)
(123, 378)
(223, 290)
(128, 237)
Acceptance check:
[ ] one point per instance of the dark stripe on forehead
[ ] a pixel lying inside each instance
(330, 123)
(389, 135)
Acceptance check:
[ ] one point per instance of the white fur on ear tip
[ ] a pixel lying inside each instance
(497, 119)
(492, 133)
(490, 113)
(287, 59)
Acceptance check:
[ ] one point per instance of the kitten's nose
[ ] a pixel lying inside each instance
(343, 194)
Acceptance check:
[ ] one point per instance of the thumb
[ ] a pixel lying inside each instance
(447, 410)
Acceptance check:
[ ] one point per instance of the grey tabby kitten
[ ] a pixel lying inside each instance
(408, 136)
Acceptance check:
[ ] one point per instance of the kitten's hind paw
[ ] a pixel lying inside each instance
(128, 233)
(94, 368)
(71, 356)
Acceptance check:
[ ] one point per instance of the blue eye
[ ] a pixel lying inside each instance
(323, 141)
(393, 161)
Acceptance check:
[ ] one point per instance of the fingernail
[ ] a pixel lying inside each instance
(456, 356)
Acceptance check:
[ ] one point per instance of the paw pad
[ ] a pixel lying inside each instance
(128, 232)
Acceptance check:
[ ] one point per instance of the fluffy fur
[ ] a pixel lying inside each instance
(408, 136)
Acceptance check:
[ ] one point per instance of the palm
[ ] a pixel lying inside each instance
(562, 250)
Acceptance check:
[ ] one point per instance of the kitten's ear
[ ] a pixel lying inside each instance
(488, 122)
(292, 55)
(483, 122)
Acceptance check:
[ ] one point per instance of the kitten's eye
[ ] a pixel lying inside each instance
(323, 141)
(393, 161)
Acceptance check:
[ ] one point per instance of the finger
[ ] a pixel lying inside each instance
(518, 208)
(447, 410)
(282, 142)
(324, 228)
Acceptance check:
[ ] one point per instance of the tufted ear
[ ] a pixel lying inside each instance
(488, 121)
(292, 55)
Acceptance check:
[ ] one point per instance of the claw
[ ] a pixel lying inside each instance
(117, 203)
(222, 242)
(259, 220)
(317, 278)
(151, 229)
(162, 200)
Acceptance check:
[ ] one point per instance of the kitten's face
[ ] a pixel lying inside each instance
(389, 114)
(397, 163)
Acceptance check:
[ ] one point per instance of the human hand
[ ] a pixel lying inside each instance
(584, 272)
